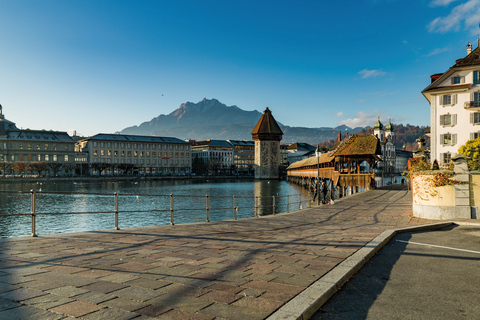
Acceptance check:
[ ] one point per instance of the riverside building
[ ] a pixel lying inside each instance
(117, 153)
(24, 151)
(454, 98)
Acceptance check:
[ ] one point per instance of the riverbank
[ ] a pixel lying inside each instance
(123, 178)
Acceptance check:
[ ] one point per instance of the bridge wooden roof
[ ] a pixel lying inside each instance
(353, 146)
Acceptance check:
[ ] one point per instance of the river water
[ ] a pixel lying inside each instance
(140, 203)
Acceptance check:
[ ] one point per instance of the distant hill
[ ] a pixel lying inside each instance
(211, 119)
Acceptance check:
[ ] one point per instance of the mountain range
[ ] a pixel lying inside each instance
(211, 119)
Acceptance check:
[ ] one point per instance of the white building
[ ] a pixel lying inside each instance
(147, 154)
(454, 98)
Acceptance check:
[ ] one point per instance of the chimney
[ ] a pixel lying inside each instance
(339, 136)
(469, 48)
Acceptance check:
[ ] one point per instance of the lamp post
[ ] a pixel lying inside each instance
(317, 154)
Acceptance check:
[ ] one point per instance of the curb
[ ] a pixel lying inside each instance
(306, 303)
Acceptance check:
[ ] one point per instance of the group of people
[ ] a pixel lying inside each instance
(323, 189)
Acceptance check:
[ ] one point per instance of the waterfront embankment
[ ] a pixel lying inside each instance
(244, 269)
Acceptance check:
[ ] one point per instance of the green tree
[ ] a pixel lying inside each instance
(471, 149)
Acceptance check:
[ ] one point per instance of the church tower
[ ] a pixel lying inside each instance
(267, 136)
(389, 131)
(378, 130)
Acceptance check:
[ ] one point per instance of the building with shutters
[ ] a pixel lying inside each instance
(454, 98)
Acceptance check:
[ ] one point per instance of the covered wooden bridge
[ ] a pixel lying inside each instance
(350, 165)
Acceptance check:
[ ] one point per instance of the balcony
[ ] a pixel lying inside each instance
(472, 105)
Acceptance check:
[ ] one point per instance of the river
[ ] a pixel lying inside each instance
(140, 203)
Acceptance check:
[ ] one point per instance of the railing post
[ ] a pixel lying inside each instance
(288, 203)
(234, 205)
(299, 201)
(208, 209)
(256, 206)
(116, 211)
(33, 199)
(235, 214)
(171, 209)
(273, 204)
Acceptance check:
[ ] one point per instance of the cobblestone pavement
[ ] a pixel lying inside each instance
(243, 269)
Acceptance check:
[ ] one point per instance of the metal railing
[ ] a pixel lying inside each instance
(262, 205)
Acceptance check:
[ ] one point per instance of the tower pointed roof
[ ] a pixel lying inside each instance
(267, 128)
(378, 125)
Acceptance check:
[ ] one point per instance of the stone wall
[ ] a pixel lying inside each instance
(458, 201)
(267, 159)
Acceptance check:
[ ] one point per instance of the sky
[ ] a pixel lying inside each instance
(100, 66)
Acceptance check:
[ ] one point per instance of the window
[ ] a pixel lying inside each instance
(109, 152)
(474, 135)
(66, 158)
(445, 157)
(448, 139)
(20, 146)
(475, 118)
(29, 146)
(38, 146)
(46, 146)
(448, 120)
(66, 147)
(476, 77)
(458, 80)
(55, 157)
(102, 152)
(46, 157)
(54, 147)
(102, 144)
(38, 157)
(448, 99)
(94, 144)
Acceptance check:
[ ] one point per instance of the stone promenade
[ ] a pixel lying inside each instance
(243, 269)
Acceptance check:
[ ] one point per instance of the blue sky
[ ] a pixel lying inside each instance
(100, 66)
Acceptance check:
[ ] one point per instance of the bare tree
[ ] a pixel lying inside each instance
(4, 166)
(21, 167)
(100, 167)
(55, 167)
(39, 167)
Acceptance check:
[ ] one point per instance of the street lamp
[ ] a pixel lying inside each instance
(317, 154)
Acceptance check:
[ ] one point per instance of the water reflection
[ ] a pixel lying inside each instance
(141, 203)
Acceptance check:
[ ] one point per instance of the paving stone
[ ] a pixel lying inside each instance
(62, 278)
(6, 304)
(137, 293)
(233, 312)
(153, 310)
(77, 308)
(39, 285)
(180, 302)
(221, 296)
(111, 314)
(95, 297)
(183, 315)
(258, 303)
(185, 290)
(124, 304)
(104, 286)
(118, 277)
(47, 301)
(67, 291)
(21, 294)
(94, 273)
(30, 313)
(148, 283)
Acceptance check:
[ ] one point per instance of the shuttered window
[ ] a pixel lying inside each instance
(475, 118)
(476, 77)
(448, 99)
(448, 119)
(448, 139)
